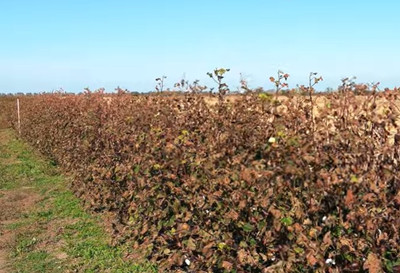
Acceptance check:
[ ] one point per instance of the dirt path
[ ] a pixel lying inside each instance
(12, 203)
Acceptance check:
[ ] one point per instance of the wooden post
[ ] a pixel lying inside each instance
(19, 118)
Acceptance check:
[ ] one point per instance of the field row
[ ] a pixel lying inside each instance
(258, 183)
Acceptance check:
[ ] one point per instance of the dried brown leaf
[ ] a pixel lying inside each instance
(373, 264)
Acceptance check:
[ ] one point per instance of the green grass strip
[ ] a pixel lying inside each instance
(55, 234)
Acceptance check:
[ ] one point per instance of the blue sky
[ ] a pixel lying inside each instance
(47, 45)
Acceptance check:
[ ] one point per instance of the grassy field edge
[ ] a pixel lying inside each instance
(52, 232)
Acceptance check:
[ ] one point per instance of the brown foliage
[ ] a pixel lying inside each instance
(237, 185)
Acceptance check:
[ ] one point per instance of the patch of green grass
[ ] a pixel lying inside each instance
(57, 223)
(67, 205)
(21, 167)
(4, 154)
(39, 261)
(25, 243)
(17, 225)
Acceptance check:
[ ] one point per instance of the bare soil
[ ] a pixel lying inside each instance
(13, 204)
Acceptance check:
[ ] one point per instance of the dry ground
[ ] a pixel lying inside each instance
(12, 203)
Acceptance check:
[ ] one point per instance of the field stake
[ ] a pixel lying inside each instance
(19, 118)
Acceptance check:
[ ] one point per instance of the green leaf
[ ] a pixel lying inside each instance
(221, 246)
(353, 178)
(348, 257)
(171, 221)
(287, 221)
(247, 227)
(262, 224)
(191, 244)
(298, 250)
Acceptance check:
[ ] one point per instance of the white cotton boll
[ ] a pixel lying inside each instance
(187, 261)
(330, 261)
(324, 218)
